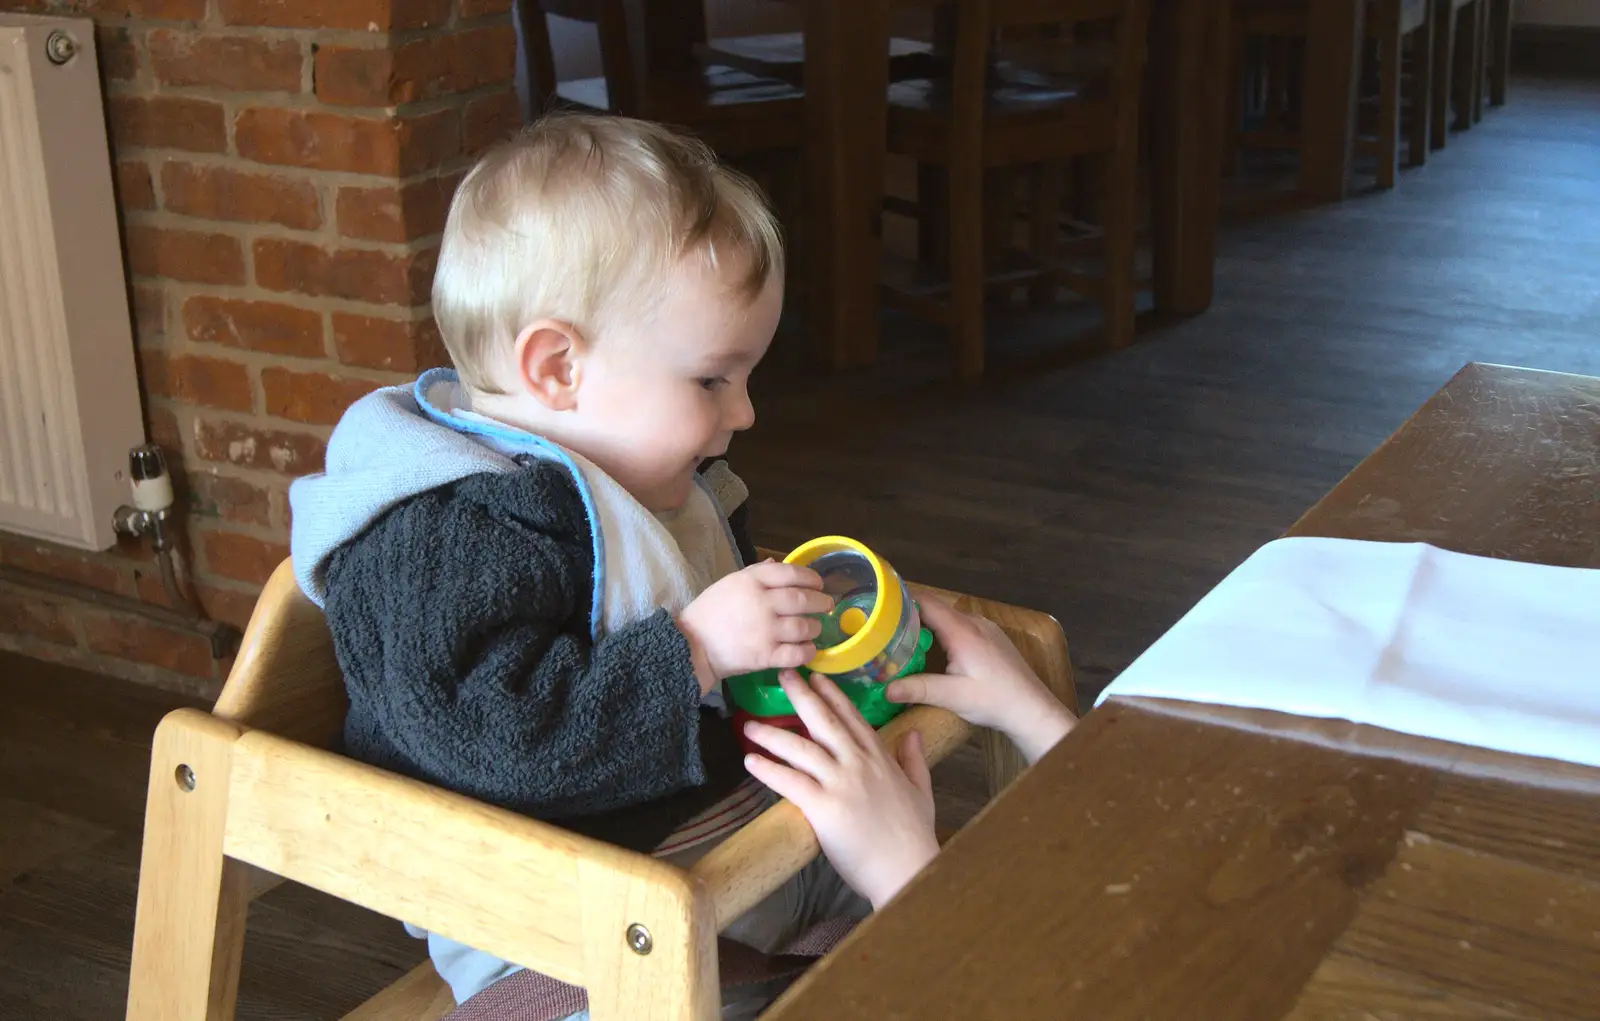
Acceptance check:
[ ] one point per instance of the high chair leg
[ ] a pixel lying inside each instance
(189, 928)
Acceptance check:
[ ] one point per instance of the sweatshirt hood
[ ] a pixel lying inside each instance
(389, 446)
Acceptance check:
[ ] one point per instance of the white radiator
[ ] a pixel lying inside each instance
(69, 398)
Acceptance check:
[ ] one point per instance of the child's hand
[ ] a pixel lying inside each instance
(756, 619)
(988, 683)
(872, 814)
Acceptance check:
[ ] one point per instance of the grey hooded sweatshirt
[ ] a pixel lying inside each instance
(456, 562)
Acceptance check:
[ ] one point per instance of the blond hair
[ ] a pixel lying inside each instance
(580, 219)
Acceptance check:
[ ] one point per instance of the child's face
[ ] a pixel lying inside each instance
(657, 400)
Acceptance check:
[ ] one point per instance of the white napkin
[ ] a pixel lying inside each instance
(1495, 653)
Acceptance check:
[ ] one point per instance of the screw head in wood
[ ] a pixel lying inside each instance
(639, 940)
(185, 777)
(60, 47)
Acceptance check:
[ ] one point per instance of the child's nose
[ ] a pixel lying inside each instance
(743, 413)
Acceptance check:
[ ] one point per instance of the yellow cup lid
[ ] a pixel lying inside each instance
(872, 632)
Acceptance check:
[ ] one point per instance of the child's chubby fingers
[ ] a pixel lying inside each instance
(797, 630)
(792, 655)
(802, 754)
(773, 574)
(799, 602)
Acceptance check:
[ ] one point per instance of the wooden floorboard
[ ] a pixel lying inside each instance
(1111, 490)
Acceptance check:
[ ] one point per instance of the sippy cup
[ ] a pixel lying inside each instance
(873, 635)
(874, 630)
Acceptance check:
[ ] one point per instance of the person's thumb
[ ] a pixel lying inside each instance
(915, 763)
(926, 689)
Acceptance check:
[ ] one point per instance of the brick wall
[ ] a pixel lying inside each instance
(283, 169)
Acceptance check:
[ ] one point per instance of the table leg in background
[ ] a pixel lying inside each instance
(1333, 73)
(1188, 88)
(846, 80)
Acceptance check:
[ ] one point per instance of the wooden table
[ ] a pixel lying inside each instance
(1501, 462)
(1173, 860)
(846, 81)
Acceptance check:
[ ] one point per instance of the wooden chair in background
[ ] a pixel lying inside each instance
(1498, 49)
(251, 792)
(977, 124)
(1391, 24)
(1402, 85)
(733, 111)
(782, 55)
(753, 121)
(1460, 34)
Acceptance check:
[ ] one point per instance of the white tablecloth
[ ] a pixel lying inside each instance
(1405, 636)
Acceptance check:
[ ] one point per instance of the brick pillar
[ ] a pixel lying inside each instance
(283, 171)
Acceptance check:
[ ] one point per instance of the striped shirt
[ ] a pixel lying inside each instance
(741, 805)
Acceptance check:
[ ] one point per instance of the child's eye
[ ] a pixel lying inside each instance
(712, 383)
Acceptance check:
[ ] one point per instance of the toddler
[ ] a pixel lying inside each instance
(535, 566)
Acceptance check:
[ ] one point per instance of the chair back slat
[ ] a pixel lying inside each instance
(518, 889)
(617, 50)
(636, 45)
(396, 846)
(1019, 13)
(286, 679)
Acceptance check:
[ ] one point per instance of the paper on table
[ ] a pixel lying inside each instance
(1495, 653)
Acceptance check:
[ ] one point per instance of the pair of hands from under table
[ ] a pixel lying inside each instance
(872, 810)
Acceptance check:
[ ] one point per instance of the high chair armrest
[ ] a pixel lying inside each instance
(636, 932)
(762, 856)
(523, 890)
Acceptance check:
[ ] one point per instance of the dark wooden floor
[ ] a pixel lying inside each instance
(1114, 491)
(1110, 490)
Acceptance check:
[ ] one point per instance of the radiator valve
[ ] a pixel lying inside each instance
(152, 496)
(149, 514)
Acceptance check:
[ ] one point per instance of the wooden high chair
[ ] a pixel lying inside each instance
(250, 794)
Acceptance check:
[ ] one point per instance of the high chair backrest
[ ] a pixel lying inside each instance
(286, 679)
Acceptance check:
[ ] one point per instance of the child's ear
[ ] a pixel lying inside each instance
(547, 358)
